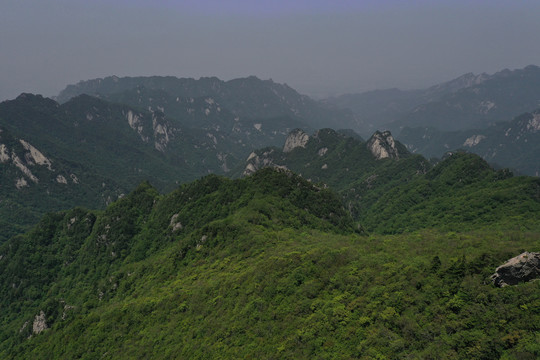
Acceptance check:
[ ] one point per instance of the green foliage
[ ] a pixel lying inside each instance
(462, 192)
(264, 267)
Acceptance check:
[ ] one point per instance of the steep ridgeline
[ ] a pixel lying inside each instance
(328, 155)
(389, 190)
(88, 152)
(341, 161)
(470, 101)
(32, 183)
(241, 105)
(266, 267)
(79, 249)
(514, 144)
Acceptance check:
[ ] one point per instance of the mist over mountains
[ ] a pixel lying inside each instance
(163, 217)
(468, 102)
(112, 133)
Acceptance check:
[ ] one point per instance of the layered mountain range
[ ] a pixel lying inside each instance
(326, 246)
(514, 144)
(104, 136)
(273, 265)
(468, 102)
(224, 104)
(162, 129)
(89, 152)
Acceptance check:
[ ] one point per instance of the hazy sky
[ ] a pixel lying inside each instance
(318, 47)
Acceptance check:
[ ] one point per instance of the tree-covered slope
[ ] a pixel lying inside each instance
(78, 249)
(250, 100)
(389, 190)
(265, 267)
(88, 151)
(461, 192)
(514, 144)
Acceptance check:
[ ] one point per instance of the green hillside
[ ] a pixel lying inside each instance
(269, 266)
(406, 192)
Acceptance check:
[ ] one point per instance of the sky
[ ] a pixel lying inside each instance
(319, 47)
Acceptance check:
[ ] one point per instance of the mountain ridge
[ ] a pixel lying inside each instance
(469, 101)
(268, 265)
(510, 144)
(244, 97)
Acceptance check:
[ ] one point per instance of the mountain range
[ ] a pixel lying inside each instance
(89, 152)
(105, 136)
(273, 265)
(122, 237)
(162, 129)
(467, 102)
(240, 100)
(513, 144)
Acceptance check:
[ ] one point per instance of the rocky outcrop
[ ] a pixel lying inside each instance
(534, 123)
(296, 138)
(258, 161)
(34, 156)
(473, 140)
(382, 145)
(522, 268)
(175, 224)
(39, 324)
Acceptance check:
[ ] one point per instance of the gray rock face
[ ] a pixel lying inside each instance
(258, 161)
(382, 145)
(297, 138)
(522, 268)
(40, 323)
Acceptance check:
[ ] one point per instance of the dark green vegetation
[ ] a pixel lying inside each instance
(162, 129)
(272, 266)
(460, 193)
(407, 193)
(89, 153)
(395, 264)
(514, 144)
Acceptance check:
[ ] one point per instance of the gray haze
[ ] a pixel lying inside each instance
(318, 47)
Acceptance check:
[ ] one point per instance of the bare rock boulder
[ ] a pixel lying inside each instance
(522, 268)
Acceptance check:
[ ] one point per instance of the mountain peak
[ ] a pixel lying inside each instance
(34, 98)
(296, 138)
(382, 145)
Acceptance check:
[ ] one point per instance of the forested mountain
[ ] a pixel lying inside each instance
(514, 144)
(244, 100)
(274, 266)
(326, 245)
(89, 151)
(468, 102)
(388, 189)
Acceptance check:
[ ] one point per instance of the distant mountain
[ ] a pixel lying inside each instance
(470, 101)
(494, 98)
(360, 171)
(328, 156)
(514, 144)
(244, 100)
(365, 173)
(89, 151)
(113, 133)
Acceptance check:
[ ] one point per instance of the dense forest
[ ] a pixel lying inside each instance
(274, 266)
